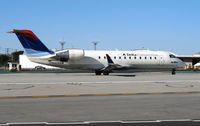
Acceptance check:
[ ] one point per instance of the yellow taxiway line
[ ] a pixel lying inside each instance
(87, 95)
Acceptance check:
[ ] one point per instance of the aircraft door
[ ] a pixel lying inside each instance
(161, 60)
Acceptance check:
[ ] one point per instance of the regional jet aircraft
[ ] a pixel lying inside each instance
(98, 61)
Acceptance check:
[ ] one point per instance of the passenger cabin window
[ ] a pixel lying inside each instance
(124, 57)
(145, 57)
(114, 57)
(120, 57)
(140, 57)
(104, 57)
(129, 57)
(135, 57)
(155, 57)
(99, 57)
(150, 57)
(172, 56)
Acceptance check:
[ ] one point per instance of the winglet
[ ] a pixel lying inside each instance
(109, 59)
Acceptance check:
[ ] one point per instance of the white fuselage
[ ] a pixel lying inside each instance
(97, 60)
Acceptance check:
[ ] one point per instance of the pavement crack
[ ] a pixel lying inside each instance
(29, 87)
(179, 86)
(20, 88)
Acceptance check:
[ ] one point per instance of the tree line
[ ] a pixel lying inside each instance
(13, 57)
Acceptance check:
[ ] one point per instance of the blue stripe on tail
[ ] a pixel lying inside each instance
(32, 45)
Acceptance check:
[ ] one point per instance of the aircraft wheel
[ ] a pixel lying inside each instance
(105, 73)
(173, 71)
(97, 72)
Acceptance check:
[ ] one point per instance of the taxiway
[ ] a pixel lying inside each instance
(85, 97)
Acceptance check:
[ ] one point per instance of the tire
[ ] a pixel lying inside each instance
(173, 71)
(105, 73)
(97, 72)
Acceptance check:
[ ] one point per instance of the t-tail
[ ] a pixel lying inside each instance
(32, 45)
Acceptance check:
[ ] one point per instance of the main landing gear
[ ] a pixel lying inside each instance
(105, 72)
(98, 72)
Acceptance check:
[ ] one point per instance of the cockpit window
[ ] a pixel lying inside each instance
(172, 56)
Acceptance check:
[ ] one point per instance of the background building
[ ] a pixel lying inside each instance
(27, 64)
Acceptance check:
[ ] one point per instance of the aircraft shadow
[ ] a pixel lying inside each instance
(125, 75)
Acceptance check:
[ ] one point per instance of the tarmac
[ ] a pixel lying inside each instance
(42, 85)
(150, 98)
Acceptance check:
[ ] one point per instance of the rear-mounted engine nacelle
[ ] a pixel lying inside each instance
(71, 54)
(75, 54)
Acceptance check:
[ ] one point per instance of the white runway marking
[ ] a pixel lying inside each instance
(99, 122)
(105, 82)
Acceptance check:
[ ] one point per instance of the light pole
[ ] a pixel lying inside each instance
(95, 44)
(7, 51)
(62, 43)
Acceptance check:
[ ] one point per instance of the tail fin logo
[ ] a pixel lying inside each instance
(30, 42)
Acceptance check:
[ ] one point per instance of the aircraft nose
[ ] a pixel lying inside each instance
(181, 64)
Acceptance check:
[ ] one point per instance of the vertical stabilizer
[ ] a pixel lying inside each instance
(32, 45)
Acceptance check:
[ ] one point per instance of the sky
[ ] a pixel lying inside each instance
(169, 25)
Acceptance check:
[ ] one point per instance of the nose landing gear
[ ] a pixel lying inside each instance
(173, 71)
